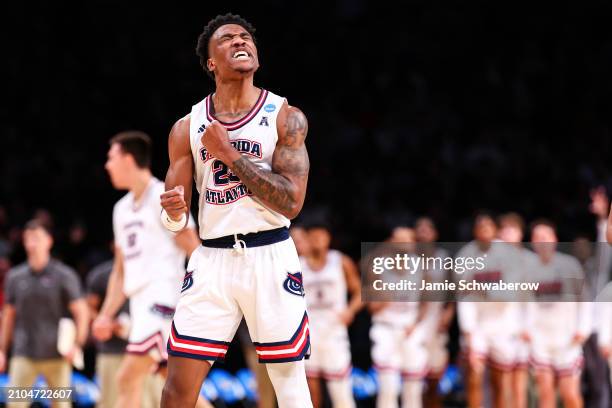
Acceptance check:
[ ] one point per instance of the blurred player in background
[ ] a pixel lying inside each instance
(328, 275)
(245, 147)
(489, 328)
(38, 293)
(438, 314)
(148, 267)
(557, 327)
(511, 227)
(110, 353)
(398, 350)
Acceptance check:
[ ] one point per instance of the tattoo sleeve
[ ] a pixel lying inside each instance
(284, 188)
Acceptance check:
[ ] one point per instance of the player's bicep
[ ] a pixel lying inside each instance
(180, 171)
(290, 156)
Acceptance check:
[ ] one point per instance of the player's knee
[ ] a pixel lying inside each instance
(173, 395)
(126, 379)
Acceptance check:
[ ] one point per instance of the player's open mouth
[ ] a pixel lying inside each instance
(241, 55)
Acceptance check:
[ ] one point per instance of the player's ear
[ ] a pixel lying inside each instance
(210, 64)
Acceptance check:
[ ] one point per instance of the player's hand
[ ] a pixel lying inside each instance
(173, 201)
(216, 141)
(599, 203)
(102, 328)
(346, 317)
(2, 362)
(605, 351)
(578, 339)
(69, 357)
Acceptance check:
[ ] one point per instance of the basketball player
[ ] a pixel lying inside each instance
(489, 328)
(148, 267)
(328, 274)
(398, 349)
(511, 227)
(245, 147)
(557, 329)
(438, 315)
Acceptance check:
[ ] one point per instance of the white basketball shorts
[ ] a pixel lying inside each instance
(257, 277)
(151, 311)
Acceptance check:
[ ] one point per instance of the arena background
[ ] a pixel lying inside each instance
(439, 109)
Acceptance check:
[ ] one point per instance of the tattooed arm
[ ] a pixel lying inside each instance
(284, 188)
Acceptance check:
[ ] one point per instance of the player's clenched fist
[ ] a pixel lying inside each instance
(216, 141)
(173, 201)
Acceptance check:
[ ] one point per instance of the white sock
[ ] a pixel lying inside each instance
(412, 394)
(341, 393)
(388, 390)
(290, 386)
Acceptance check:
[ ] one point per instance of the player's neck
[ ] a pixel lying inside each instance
(318, 259)
(38, 262)
(234, 96)
(141, 182)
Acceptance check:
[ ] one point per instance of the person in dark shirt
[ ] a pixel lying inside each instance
(37, 295)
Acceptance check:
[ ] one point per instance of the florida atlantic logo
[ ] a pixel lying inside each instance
(293, 284)
(187, 281)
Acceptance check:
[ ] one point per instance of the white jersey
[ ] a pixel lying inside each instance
(149, 250)
(490, 316)
(549, 317)
(226, 206)
(325, 289)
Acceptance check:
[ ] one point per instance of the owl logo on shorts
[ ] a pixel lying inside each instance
(187, 281)
(293, 284)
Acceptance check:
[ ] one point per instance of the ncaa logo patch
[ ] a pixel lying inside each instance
(187, 281)
(293, 284)
(270, 107)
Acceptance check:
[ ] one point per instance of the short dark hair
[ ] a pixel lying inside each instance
(136, 143)
(483, 215)
(542, 221)
(35, 224)
(209, 30)
(511, 218)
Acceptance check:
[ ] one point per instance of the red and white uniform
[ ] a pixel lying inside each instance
(326, 298)
(256, 276)
(153, 268)
(553, 324)
(394, 349)
(493, 326)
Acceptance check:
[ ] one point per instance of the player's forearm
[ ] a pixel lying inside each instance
(274, 190)
(355, 303)
(115, 298)
(6, 329)
(80, 313)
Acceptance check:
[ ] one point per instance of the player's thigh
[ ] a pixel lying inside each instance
(336, 357)
(207, 314)
(271, 297)
(386, 347)
(414, 358)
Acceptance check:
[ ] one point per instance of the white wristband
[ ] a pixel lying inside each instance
(172, 225)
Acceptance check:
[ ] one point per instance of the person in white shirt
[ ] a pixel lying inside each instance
(148, 266)
(559, 322)
(328, 276)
